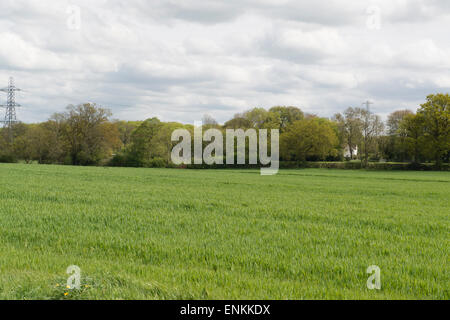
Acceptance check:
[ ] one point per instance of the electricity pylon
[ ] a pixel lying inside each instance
(367, 104)
(10, 114)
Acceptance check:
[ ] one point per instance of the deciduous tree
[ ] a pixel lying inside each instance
(436, 120)
(309, 138)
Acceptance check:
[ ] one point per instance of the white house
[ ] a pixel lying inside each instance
(347, 152)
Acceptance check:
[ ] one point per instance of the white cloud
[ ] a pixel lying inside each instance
(181, 59)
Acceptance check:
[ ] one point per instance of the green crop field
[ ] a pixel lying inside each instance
(222, 234)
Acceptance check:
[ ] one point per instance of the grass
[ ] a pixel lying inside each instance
(222, 234)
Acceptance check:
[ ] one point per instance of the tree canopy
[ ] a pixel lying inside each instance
(85, 135)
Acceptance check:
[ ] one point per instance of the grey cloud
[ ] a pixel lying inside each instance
(181, 59)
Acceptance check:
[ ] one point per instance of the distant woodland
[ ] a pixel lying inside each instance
(86, 135)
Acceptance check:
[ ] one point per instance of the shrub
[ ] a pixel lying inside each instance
(125, 160)
(7, 158)
(156, 163)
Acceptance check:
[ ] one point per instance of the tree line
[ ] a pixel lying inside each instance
(86, 135)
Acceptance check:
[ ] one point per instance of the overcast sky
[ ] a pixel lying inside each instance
(178, 60)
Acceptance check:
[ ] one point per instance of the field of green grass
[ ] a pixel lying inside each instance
(222, 234)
